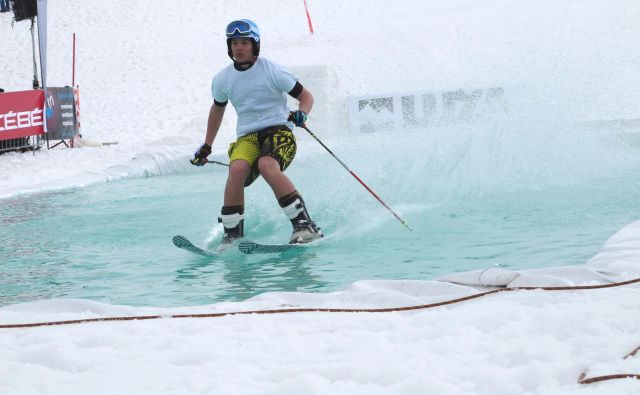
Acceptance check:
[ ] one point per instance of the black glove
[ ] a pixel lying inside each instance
(298, 118)
(201, 155)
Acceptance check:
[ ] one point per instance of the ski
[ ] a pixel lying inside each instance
(250, 247)
(185, 244)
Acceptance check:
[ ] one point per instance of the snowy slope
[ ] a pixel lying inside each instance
(144, 68)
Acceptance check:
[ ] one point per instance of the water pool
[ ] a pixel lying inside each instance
(474, 198)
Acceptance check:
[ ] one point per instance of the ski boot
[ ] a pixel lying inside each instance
(233, 228)
(304, 229)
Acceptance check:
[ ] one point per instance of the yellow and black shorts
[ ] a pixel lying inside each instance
(277, 142)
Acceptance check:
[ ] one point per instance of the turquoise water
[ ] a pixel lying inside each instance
(474, 198)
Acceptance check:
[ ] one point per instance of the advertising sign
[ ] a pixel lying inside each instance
(21, 114)
(61, 113)
(418, 109)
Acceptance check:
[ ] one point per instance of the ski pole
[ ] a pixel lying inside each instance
(402, 221)
(215, 162)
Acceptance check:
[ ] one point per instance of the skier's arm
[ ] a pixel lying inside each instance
(306, 100)
(213, 124)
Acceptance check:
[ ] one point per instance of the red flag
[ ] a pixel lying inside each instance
(308, 17)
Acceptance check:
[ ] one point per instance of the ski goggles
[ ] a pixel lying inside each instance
(239, 29)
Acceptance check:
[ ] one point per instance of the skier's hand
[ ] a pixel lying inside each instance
(298, 118)
(200, 157)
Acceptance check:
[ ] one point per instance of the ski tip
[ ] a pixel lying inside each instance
(181, 241)
(184, 243)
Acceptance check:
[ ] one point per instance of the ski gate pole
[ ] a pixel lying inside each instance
(402, 221)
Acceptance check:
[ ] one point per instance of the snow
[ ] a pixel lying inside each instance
(144, 71)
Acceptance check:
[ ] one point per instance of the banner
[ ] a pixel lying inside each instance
(42, 39)
(401, 111)
(60, 113)
(21, 114)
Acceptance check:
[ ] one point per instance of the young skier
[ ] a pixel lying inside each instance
(265, 145)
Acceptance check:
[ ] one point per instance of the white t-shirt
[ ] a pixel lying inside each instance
(257, 94)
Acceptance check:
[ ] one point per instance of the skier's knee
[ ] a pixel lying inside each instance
(268, 166)
(239, 170)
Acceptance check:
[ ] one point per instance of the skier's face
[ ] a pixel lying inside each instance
(242, 49)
